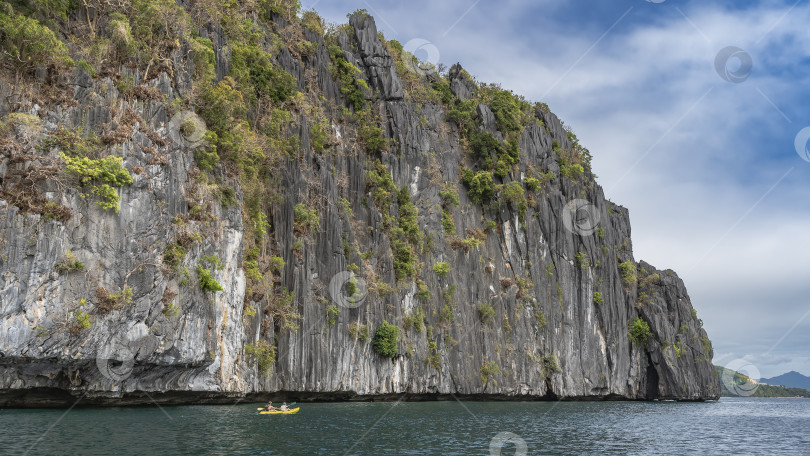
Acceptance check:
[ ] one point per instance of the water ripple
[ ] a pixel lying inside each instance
(730, 426)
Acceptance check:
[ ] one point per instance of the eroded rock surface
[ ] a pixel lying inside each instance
(548, 335)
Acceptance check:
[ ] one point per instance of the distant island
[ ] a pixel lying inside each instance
(735, 384)
(792, 379)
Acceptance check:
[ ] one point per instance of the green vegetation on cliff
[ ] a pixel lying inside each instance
(207, 280)
(262, 354)
(385, 340)
(639, 332)
(26, 44)
(100, 176)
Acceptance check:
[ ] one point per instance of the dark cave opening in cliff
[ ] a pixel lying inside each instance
(651, 391)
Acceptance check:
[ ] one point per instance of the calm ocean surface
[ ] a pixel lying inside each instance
(728, 427)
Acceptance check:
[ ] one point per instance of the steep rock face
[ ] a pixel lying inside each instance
(377, 62)
(118, 251)
(516, 315)
(678, 336)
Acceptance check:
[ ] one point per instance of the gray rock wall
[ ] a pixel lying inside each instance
(548, 339)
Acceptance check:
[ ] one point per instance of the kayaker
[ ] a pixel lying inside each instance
(269, 407)
(284, 407)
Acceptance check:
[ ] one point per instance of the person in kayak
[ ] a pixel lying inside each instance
(269, 407)
(284, 407)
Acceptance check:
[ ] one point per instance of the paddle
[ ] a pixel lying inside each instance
(288, 405)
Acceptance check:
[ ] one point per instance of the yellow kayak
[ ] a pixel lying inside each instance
(279, 412)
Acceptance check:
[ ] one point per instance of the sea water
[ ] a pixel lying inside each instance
(731, 426)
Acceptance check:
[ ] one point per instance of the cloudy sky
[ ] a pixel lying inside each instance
(692, 112)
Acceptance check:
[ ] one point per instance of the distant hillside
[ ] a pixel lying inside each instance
(792, 379)
(735, 384)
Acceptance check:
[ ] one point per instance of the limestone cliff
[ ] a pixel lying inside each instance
(285, 191)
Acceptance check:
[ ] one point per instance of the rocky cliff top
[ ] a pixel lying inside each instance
(205, 201)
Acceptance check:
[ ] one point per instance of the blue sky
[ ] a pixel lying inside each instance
(707, 167)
